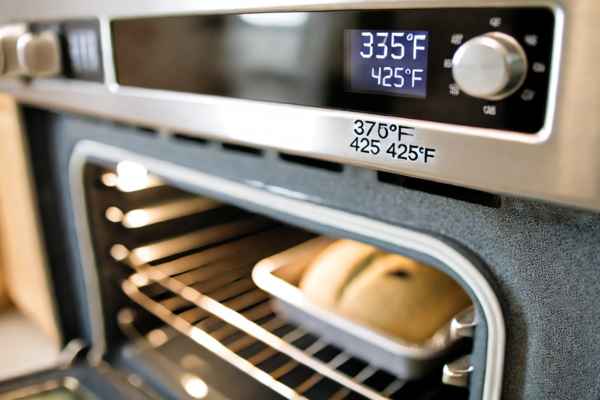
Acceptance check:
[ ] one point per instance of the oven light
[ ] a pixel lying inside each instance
(131, 176)
(194, 386)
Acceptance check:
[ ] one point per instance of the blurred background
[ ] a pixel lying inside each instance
(28, 332)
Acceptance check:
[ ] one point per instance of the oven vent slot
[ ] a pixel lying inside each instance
(442, 189)
(312, 162)
(190, 139)
(147, 130)
(238, 148)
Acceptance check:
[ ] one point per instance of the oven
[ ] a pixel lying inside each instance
(185, 156)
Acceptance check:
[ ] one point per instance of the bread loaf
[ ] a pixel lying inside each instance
(402, 298)
(390, 293)
(333, 269)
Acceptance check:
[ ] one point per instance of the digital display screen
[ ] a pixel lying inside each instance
(387, 62)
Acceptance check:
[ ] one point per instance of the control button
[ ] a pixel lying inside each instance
(9, 35)
(39, 54)
(491, 66)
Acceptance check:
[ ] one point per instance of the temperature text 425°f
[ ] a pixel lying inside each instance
(389, 141)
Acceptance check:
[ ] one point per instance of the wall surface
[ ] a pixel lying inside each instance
(23, 263)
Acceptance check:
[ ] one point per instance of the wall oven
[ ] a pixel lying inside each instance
(186, 155)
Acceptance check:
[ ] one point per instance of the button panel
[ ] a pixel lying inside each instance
(80, 47)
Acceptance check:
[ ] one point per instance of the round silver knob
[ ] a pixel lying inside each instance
(39, 54)
(491, 66)
(10, 63)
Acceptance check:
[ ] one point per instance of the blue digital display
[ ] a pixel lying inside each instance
(387, 62)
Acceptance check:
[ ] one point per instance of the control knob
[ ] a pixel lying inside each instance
(25, 54)
(491, 66)
(39, 54)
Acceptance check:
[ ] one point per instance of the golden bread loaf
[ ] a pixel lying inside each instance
(332, 269)
(389, 293)
(402, 298)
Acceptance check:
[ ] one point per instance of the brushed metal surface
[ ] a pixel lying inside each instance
(557, 164)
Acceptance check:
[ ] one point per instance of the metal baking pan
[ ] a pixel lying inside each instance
(279, 275)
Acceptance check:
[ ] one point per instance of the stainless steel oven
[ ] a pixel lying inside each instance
(173, 146)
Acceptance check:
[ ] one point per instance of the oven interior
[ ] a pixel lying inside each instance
(160, 251)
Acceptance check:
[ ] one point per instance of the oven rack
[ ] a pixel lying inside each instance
(247, 316)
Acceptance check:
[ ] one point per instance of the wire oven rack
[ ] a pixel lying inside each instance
(218, 306)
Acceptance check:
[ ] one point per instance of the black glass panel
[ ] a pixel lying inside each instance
(301, 58)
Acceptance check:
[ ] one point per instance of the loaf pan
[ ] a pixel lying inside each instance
(279, 275)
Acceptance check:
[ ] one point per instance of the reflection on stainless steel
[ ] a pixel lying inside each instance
(283, 20)
(268, 64)
(458, 372)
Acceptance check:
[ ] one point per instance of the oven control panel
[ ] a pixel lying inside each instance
(476, 67)
(479, 67)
